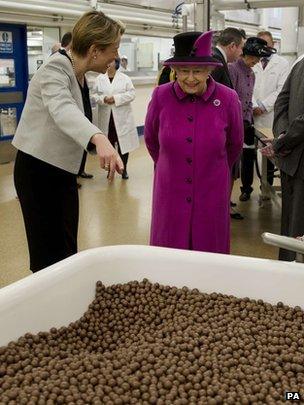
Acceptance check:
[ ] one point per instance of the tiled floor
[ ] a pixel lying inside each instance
(119, 213)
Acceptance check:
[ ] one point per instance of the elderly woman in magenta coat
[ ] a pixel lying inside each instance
(194, 134)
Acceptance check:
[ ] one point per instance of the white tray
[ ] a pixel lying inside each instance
(60, 294)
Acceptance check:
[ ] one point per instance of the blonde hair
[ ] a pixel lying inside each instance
(95, 28)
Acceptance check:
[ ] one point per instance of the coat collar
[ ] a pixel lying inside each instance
(242, 65)
(180, 94)
(107, 76)
(118, 76)
(273, 60)
(222, 52)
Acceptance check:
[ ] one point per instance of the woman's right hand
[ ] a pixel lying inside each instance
(108, 156)
(109, 100)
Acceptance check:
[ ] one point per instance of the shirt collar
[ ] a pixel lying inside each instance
(205, 96)
(269, 58)
(222, 52)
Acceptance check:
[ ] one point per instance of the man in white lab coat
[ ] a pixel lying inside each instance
(270, 75)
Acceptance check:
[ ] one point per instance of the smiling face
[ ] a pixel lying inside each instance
(192, 79)
(102, 58)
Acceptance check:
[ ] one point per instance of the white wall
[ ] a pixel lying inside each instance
(128, 49)
(50, 37)
(252, 21)
(161, 46)
(140, 104)
(32, 62)
(251, 16)
(290, 33)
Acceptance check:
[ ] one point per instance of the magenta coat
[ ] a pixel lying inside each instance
(193, 142)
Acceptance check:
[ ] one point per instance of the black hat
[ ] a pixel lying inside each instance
(257, 47)
(193, 48)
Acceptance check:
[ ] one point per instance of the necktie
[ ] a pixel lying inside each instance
(264, 62)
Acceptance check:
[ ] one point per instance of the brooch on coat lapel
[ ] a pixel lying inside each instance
(216, 102)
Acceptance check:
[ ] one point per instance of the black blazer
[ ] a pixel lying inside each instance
(221, 73)
(289, 119)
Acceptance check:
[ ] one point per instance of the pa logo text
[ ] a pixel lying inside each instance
(292, 396)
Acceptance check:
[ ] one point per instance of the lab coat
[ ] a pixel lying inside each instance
(123, 92)
(268, 85)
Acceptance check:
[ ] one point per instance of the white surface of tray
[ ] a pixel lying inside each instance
(61, 293)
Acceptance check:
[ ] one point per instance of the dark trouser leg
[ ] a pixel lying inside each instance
(292, 222)
(286, 186)
(49, 201)
(70, 217)
(247, 167)
(124, 157)
(270, 172)
(83, 162)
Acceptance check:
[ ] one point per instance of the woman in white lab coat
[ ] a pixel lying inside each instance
(114, 92)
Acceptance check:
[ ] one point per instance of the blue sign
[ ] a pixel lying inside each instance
(6, 42)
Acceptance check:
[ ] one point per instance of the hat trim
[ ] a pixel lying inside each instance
(200, 60)
(262, 54)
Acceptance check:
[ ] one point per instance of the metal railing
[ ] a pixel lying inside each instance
(285, 242)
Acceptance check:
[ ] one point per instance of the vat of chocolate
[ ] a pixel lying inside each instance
(188, 348)
(61, 293)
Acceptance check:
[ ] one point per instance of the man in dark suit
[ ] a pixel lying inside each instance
(229, 47)
(288, 148)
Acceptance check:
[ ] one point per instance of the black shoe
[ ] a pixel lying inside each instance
(125, 175)
(85, 175)
(232, 204)
(236, 215)
(244, 196)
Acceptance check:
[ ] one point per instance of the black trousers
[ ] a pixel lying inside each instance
(113, 138)
(49, 201)
(124, 157)
(292, 220)
(270, 172)
(248, 158)
(247, 170)
(83, 162)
